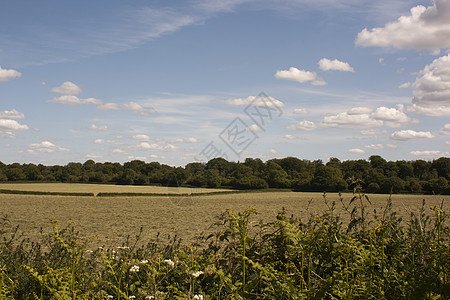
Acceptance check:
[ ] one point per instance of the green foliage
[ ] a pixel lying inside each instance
(355, 255)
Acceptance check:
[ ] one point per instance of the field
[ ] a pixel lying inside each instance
(112, 219)
(315, 257)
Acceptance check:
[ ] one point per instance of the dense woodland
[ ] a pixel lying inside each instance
(376, 175)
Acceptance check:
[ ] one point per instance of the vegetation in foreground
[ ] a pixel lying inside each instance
(369, 257)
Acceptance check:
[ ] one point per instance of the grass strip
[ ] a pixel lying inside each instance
(18, 192)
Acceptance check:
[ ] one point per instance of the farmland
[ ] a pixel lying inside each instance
(112, 219)
(287, 258)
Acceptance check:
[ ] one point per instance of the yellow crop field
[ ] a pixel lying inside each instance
(112, 219)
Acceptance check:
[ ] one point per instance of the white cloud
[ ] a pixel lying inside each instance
(255, 101)
(346, 120)
(11, 114)
(429, 153)
(289, 137)
(189, 140)
(109, 106)
(356, 151)
(373, 132)
(44, 147)
(137, 108)
(301, 111)
(364, 117)
(93, 156)
(392, 117)
(446, 129)
(359, 110)
(326, 64)
(431, 111)
(319, 82)
(74, 100)
(392, 146)
(7, 74)
(99, 141)
(142, 137)
(303, 125)
(119, 151)
(8, 125)
(67, 88)
(99, 128)
(404, 135)
(404, 85)
(375, 146)
(254, 127)
(425, 28)
(433, 88)
(381, 61)
(296, 75)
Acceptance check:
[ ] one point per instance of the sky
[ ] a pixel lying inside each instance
(185, 81)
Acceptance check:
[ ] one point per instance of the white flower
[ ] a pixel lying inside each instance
(134, 268)
(169, 262)
(110, 297)
(198, 297)
(132, 297)
(196, 274)
(144, 261)
(150, 297)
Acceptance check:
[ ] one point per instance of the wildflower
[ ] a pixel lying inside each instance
(170, 262)
(134, 268)
(109, 297)
(149, 297)
(198, 297)
(132, 297)
(196, 274)
(144, 261)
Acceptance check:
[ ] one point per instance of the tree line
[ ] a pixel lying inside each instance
(376, 175)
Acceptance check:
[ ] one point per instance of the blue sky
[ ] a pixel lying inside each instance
(179, 81)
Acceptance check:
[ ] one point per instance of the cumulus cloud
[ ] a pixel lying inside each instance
(404, 135)
(74, 100)
(446, 129)
(326, 64)
(424, 28)
(300, 111)
(431, 111)
(99, 128)
(189, 140)
(67, 88)
(296, 75)
(137, 108)
(346, 120)
(289, 137)
(266, 101)
(375, 146)
(303, 125)
(404, 85)
(429, 153)
(364, 117)
(392, 117)
(433, 87)
(356, 151)
(7, 74)
(8, 126)
(11, 114)
(254, 127)
(109, 106)
(44, 147)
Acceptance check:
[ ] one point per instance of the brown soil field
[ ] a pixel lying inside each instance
(112, 219)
